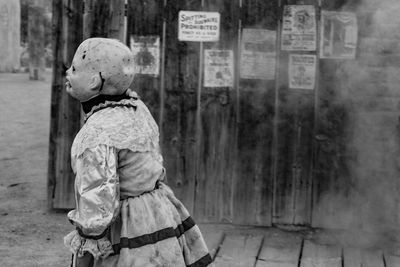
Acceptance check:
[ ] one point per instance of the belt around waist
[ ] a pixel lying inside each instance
(156, 186)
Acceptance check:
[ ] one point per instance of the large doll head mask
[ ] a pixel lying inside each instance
(100, 66)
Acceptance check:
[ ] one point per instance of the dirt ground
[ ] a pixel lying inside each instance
(30, 234)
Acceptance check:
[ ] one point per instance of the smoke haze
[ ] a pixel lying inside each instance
(369, 90)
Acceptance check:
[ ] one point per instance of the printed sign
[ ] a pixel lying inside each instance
(339, 32)
(218, 68)
(197, 26)
(302, 70)
(258, 54)
(146, 52)
(299, 28)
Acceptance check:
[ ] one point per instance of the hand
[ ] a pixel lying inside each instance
(86, 261)
(132, 93)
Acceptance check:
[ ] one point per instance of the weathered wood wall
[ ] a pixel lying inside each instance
(259, 153)
(217, 167)
(73, 21)
(65, 111)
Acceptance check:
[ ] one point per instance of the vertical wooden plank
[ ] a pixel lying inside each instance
(117, 15)
(88, 16)
(252, 188)
(104, 19)
(295, 128)
(217, 130)
(316, 255)
(294, 157)
(238, 250)
(56, 92)
(144, 19)
(97, 18)
(331, 186)
(65, 111)
(274, 147)
(178, 122)
(162, 72)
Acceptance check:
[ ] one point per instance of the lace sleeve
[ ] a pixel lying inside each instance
(97, 198)
(96, 190)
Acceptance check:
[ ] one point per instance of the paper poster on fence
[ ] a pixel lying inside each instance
(302, 69)
(258, 54)
(146, 54)
(198, 26)
(299, 30)
(218, 68)
(339, 33)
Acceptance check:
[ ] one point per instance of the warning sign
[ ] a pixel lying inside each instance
(198, 26)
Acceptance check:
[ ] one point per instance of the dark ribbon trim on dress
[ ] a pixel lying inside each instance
(94, 237)
(202, 262)
(155, 237)
(101, 99)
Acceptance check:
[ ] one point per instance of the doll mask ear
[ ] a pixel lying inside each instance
(96, 82)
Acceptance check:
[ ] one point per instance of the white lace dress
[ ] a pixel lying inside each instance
(125, 215)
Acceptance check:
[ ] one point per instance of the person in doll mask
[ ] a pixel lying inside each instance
(125, 215)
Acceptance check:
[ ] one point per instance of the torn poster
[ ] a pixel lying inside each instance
(146, 52)
(218, 68)
(198, 26)
(302, 70)
(339, 33)
(299, 28)
(258, 54)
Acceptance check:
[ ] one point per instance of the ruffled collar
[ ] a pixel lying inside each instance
(87, 106)
(106, 101)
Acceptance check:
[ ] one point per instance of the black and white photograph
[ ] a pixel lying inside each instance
(199, 133)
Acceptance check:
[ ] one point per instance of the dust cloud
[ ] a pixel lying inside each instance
(369, 89)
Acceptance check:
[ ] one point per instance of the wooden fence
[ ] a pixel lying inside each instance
(256, 153)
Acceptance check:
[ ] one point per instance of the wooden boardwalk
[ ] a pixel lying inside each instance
(272, 247)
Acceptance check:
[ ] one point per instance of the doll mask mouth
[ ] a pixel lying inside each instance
(67, 85)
